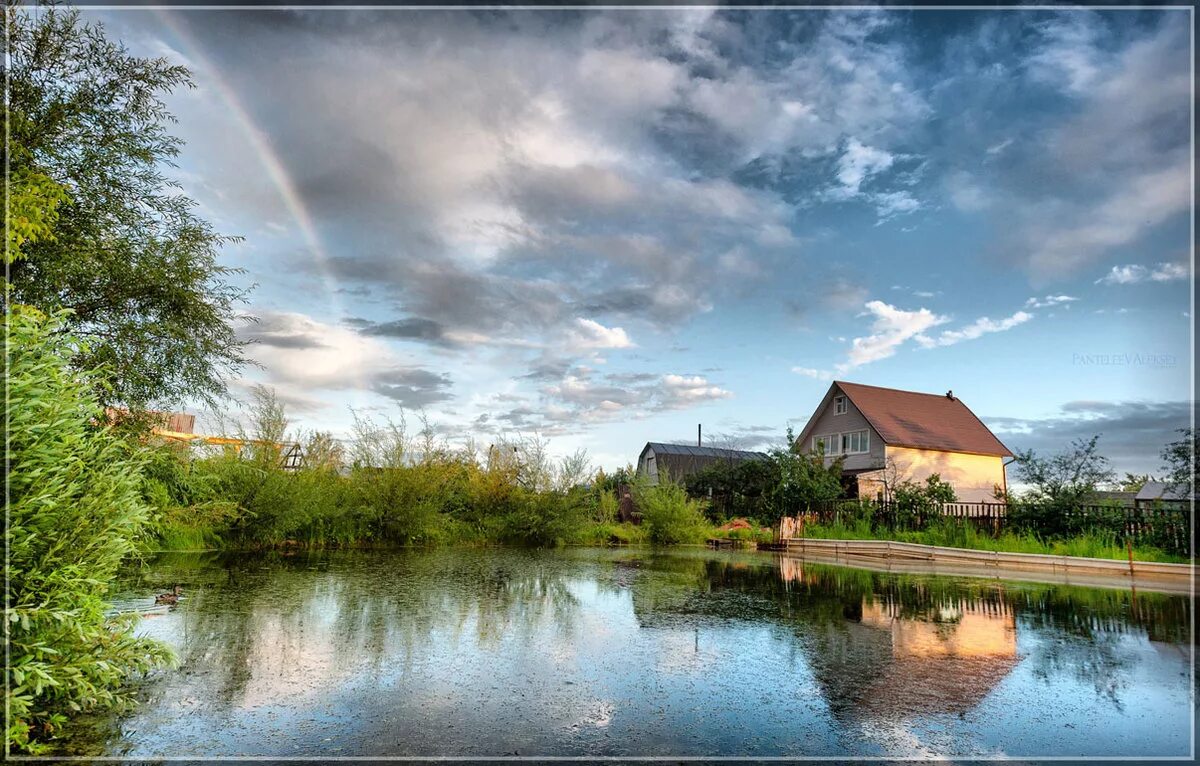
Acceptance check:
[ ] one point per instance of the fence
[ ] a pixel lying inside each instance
(1164, 526)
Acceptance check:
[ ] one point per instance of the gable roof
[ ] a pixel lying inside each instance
(691, 450)
(924, 421)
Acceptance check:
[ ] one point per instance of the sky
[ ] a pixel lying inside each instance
(608, 227)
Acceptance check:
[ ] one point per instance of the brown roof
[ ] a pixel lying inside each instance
(926, 421)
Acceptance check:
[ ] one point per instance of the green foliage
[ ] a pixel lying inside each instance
(956, 533)
(918, 500)
(76, 510)
(97, 227)
(1181, 462)
(804, 478)
(1067, 478)
(785, 483)
(669, 515)
(1132, 482)
(33, 200)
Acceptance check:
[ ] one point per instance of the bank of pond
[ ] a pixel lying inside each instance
(612, 652)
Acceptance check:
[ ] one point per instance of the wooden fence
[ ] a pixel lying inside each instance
(1164, 526)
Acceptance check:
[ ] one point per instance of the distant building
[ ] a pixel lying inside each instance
(886, 435)
(678, 461)
(1153, 492)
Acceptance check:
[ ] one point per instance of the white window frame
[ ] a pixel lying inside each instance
(840, 407)
(846, 441)
(834, 441)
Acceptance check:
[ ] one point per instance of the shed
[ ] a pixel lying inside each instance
(679, 461)
(1159, 491)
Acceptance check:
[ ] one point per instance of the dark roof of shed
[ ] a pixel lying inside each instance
(1160, 490)
(925, 421)
(661, 448)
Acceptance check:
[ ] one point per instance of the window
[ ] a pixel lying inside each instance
(855, 443)
(826, 444)
(839, 405)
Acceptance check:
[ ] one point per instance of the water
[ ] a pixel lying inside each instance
(598, 652)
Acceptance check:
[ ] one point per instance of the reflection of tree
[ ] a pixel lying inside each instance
(253, 623)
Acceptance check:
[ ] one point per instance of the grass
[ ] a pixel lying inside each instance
(953, 534)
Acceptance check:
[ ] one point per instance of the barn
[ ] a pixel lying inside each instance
(678, 461)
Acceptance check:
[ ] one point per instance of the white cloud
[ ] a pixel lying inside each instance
(997, 148)
(813, 373)
(891, 329)
(965, 193)
(857, 164)
(1134, 273)
(300, 354)
(976, 329)
(1049, 300)
(683, 391)
(591, 334)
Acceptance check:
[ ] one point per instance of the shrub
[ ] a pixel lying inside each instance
(76, 511)
(669, 515)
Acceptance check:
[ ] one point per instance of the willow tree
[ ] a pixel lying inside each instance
(100, 230)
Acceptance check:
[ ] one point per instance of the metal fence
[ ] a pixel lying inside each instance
(1165, 526)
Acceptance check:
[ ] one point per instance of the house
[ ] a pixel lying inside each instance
(886, 436)
(678, 461)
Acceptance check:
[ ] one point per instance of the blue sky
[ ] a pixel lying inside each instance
(608, 227)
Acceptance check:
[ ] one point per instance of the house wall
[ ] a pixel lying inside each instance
(827, 422)
(974, 477)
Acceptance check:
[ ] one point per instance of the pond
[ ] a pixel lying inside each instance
(634, 652)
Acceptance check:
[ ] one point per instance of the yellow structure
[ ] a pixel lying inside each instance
(975, 478)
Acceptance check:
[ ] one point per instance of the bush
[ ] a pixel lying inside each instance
(669, 515)
(76, 510)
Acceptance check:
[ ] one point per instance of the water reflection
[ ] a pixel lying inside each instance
(583, 652)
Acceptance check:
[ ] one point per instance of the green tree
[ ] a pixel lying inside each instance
(1067, 478)
(1181, 459)
(1132, 482)
(804, 478)
(75, 511)
(98, 228)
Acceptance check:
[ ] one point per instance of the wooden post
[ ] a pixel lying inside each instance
(1129, 549)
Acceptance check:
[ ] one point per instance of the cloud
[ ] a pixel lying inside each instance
(1121, 162)
(1134, 273)
(580, 398)
(858, 163)
(590, 334)
(680, 391)
(1049, 300)
(299, 354)
(976, 329)
(891, 328)
(1132, 433)
(811, 372)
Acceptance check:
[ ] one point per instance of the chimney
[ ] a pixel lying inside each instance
(950, 395)
(699, 440)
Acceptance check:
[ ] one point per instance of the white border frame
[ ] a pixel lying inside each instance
(635, 8)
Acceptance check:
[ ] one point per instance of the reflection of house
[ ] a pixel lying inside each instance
(679, 461)
(885, 435)
(947, 661)
(884, 662)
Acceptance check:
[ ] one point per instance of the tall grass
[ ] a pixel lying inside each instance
(955, 533)
(444, 497)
